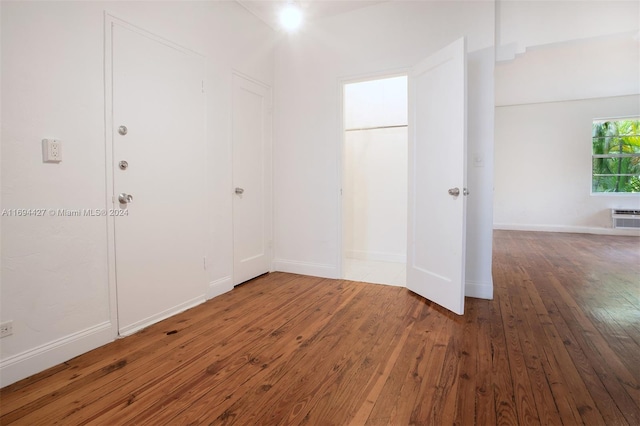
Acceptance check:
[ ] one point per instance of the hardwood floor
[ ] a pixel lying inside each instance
(559, 344)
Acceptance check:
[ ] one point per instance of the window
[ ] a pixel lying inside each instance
(616, 156)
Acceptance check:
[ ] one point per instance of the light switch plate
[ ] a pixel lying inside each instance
(51, 150)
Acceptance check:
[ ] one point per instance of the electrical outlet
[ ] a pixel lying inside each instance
(6, 329)
(51, 150)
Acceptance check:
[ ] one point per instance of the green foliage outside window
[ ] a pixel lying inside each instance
(616, 156)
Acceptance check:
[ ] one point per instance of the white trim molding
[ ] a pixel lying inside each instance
(306, 268)
(35, 360)
(478, 290)
(219, 286)
(564, 228)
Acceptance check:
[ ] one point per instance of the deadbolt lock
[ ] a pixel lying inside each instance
(123, 130)
(123, 165)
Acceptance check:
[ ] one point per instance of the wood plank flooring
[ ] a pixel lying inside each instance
(559, 344)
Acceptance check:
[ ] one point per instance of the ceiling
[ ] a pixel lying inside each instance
(267, 10)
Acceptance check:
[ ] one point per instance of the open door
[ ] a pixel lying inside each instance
(437, 177)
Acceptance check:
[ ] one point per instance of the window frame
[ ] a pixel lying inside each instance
(625, 155)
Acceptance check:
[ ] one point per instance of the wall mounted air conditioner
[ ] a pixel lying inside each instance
(625, 219)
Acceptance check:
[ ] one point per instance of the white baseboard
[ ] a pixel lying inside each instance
(375, 255)
(306, 268)
(32, 361)
(137, 326)
(478, 290)
(219, 286)
(564, 228)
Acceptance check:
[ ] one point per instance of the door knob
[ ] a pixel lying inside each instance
(239, 191)
(454, 191)
(125, 198)
(123, 130)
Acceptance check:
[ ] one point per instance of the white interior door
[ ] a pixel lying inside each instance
(159, 236)
(437, 178)
(251, 118)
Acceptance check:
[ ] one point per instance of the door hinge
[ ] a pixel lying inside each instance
(204, 263)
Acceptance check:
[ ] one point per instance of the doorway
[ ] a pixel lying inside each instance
(375, 180)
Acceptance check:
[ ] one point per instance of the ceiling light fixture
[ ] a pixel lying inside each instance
(291, 17)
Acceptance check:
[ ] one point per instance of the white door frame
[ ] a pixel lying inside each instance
(109, 22)
(340, 154)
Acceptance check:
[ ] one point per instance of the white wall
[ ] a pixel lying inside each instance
(583, 69)
(54, 270)
(375, 103)
(375, 170)
(522, 24)
(543, 166)
(309, 68)
(375, 194)
(582, 62)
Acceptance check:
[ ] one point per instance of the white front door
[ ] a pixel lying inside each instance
(158, 130)
(437, 178)
(251, 116)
